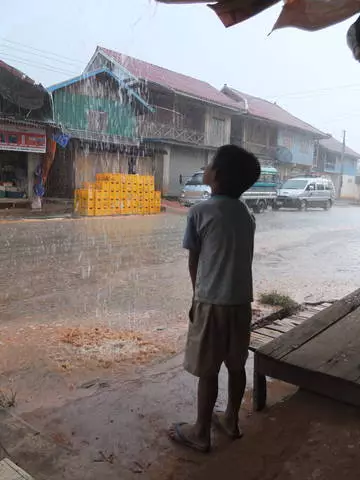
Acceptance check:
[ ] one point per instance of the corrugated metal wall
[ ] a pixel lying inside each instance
(87, 165)
(60, 181)
(71, 111)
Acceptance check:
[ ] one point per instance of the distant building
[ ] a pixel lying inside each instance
(99, 114)
(190, 118)
(26, 123)
(342, 173)
(273, 134)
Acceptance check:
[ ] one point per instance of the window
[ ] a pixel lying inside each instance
(287, 141)
(294, 184)
(218, 131)
(97, 121)
(2, 138)
(304, 146)
(13, 138)
(196, 179)
(320, 186)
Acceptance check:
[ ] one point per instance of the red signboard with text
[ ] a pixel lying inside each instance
(22, 139)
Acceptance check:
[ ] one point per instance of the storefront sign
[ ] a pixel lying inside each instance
(22, 139)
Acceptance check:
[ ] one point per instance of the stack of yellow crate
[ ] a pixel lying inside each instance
(118, 194)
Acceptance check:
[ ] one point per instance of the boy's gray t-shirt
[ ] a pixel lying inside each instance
(222, 230)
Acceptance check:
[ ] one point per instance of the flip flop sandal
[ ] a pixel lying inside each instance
(221, 427)
(178, 437)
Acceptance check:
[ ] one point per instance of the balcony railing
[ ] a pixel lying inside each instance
(171, 132)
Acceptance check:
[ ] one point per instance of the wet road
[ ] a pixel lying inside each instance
(131, 272)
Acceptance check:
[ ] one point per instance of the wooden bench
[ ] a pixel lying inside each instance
(282, 349)
(10, 471)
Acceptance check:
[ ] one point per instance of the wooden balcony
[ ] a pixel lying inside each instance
(171, 132)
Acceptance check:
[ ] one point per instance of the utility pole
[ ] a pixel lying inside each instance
(342, 161)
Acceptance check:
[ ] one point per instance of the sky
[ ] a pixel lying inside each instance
(312, 75)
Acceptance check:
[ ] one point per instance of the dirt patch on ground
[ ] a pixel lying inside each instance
(52, 360)
(108, 346)
(45, 364)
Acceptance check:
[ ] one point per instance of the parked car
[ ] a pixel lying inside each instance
(306, 192)
(261, 195)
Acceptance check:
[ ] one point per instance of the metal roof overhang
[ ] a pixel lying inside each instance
(231, 12)
(308, 15)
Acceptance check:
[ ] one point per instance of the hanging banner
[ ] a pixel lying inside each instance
(22, 139)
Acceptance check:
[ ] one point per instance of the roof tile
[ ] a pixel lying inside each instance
(261, 108)
(335, 146)
(172, 80)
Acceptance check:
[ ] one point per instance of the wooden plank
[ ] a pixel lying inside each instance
(329, 352)
(260, 337)
(257, 340)
(317, 308)
(279, 327)
(10, 471)
(305, 314)
(332, 387)
(268, 332)
(312, 327)
(297, 320)
(291, 322)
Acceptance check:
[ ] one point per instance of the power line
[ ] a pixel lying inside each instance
(44, 66)
(316, 91)
(72, 60)
(39, 55)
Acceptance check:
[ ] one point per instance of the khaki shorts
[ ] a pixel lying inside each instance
(217, 334)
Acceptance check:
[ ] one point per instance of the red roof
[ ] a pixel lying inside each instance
(335, 146)
(261, 108)
(172, 80)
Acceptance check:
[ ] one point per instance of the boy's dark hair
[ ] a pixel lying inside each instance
(236, 170)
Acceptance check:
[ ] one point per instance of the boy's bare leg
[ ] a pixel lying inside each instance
(199, 433)
(229, 420)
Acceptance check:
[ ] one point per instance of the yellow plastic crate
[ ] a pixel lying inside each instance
(89, 212)
(105, 186)
(103, 177)
(157, 195)
(114, 195)
(101, 194)
(139, 181)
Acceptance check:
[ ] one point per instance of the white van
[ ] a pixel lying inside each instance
(305, 192)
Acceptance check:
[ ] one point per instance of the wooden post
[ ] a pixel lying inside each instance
(259, 388)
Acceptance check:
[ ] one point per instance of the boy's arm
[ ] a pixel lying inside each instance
(193, 266)
(192, 243)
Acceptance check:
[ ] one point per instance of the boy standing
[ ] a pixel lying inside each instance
(220, 240)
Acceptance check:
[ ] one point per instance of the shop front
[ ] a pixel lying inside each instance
(21, 147)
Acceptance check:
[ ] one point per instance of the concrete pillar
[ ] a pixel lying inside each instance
(166, 169)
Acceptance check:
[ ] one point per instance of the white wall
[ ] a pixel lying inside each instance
(349, 188)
